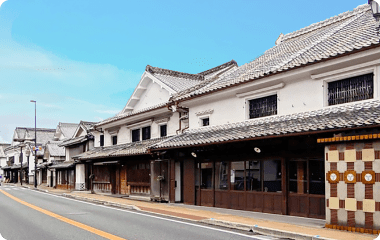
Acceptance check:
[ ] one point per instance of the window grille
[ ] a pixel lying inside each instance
(145, 133)
(262, 107)
(350, 89)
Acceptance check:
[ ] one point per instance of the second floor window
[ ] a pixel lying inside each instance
(136, 135)
(163, 130)
(145, 133)
(114, 140)
(101, 140)
(262, 107)
(205, 121)
(350, 89)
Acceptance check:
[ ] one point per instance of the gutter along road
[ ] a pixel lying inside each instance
(29, 214)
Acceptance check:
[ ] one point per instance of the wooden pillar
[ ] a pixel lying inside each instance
(189, 185)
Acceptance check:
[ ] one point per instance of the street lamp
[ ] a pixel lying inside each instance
(375, 10)
(35, 143)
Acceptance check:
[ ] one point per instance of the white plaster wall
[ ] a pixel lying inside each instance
(48, 178)
(296, 96)
(124, 134)
(301, 93)
(97, 138)
(153, 95)
(107, 139)
(73, 152)
(79, 176)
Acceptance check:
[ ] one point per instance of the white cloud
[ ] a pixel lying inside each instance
(2, 1)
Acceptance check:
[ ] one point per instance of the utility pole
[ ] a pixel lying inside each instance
(35, 143)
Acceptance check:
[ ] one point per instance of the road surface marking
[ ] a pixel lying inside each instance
(259, 237)
(66, 220)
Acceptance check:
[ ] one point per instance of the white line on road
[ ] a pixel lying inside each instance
(161, 218)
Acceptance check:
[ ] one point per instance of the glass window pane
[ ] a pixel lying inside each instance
(206, 175)
(298, 177)
(272, 176)
(237, 175)
(221, 175)
(253, 175)
(317, 176)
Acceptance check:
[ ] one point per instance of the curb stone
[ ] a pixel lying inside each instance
(263, 230)
(106, 203)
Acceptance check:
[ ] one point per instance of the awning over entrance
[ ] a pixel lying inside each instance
(354, 115)
(43, 165)
(18, 166)
(62, 165)
(107, 163)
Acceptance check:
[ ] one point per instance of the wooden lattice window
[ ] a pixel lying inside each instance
(145, 133)
(351, 89)
(135, 135)
(262, 107)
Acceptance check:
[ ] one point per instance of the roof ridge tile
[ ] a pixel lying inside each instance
(162, 71)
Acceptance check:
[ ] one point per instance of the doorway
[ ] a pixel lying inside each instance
(178, 182)
(306, 192)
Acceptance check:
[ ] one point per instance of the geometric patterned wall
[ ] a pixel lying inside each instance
(353, 186)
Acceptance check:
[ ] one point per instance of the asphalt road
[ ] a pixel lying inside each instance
(29, 214)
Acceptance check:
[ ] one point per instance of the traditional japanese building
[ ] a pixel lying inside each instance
(120, 162)
(264, 137)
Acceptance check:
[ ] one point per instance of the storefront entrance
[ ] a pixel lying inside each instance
(306, 187)
(246, 185)
(272, 185)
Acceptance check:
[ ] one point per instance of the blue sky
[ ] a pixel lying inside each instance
(81, 60)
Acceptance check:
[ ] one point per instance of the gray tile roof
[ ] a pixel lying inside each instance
(344, 33)
(179, 81)
(129, 149)
(43, 134)
(128, 114)
(366, 113)
(55, 150)
(73, 141)
(87, 125)
(68, 164)
(68, 129)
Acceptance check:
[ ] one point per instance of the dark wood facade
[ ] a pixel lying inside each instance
(65, 178)
(286, 177)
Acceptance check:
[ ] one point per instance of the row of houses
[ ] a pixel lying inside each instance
(294, 132)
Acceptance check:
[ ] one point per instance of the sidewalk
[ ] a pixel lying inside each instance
(271, 224)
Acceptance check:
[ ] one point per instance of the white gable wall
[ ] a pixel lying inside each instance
(153, 95)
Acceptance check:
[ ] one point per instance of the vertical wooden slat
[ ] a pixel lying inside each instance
(284, 186)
